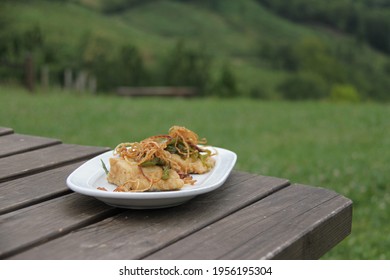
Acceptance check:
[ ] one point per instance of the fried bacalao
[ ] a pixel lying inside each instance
(159, 163)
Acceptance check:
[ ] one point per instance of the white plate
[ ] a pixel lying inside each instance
(89, 176)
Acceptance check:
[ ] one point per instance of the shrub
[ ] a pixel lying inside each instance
(344, 93)
(226, 86)
(187, 66)
(303, 86)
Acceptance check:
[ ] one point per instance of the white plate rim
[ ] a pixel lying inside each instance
(225, 161)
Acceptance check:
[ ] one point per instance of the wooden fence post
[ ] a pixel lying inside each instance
(68, 79)
(92, 84)
(29, 72)
(45, 77)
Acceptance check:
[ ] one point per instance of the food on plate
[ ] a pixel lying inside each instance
(160, 163)
(129, 176)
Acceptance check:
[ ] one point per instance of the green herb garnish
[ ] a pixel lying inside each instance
(165, 175)
(153, 162)
(104, 167)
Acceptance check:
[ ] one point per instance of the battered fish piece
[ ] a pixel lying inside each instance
(191, 165)
(160, 163)
(130, 177)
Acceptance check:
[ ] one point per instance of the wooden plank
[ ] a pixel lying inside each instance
(157, 91)
(33, 225)
(5, 131)
(36, 188)
(18, 143)
(135, 234)
(329, 231)
(279, 226)
(47, 158)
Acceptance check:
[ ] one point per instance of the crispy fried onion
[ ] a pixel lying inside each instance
(158, 150)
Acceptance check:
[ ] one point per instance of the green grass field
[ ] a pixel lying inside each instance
(344, 147)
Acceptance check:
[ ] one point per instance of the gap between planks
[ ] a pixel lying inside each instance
(151, 230)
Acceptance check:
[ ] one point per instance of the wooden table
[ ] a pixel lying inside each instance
(249, 217)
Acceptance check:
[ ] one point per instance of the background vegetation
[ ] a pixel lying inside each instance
(248, 59)
(263, 49)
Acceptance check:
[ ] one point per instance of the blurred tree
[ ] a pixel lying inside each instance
(115, 6)
(18, 51)
(6, 35)
(308, 54)
(226, 86)
(377, 29)
(304, 85)
(313, 55)
(112, 66)
(96, 57)
(280, 55)
(33, 38)
(3, 29)
(187, 66)
(367, 20)
(131, 69)
(5, 39)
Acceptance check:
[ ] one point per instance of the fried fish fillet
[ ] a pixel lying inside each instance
(128, 176)
(193, 166)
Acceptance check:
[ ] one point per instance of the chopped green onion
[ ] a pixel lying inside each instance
(104, 167)
(153, 162)
(165, 175)
(204, 156)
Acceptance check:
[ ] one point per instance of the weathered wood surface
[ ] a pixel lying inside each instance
(135, 234)
(5, 130)
(269, 227)
(17, 143)
(39, 223)
(25, 191)
(31, 162)
(249, 217)
(157, 91)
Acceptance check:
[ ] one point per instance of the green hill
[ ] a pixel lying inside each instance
(194, 43)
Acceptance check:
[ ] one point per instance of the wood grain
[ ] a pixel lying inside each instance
(135, 234)
(5, 130)
(39, 223)
(31, 162)
(278, 226)
(35, 188)
(326, 230)
(18, 143)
